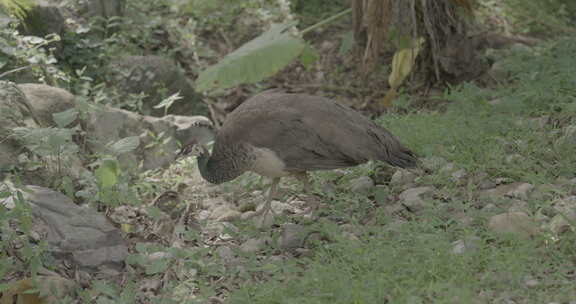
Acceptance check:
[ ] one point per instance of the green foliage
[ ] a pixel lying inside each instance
(17, 229)
(312, 11)
(254, 61)
(54, 145)
(541, 16)
(18, 8)
(32, 53)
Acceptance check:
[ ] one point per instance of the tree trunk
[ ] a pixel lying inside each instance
(449, 55)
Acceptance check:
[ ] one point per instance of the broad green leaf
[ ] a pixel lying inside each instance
(157, 266)
(18, 8)
(108, 173)
(65, 118)
(309, 56)
(254, 61)
(125, 145)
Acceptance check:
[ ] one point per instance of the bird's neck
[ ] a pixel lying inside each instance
(217, 168)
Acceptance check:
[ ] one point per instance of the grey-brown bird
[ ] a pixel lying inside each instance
(280, 134)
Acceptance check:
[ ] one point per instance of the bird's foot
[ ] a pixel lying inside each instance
(264, 218)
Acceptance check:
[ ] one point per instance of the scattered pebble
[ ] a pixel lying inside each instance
(413, 198)
(513, 223)
(402, 177)
(292, 236)
(466, 246)
(361, 184)
(254, 245)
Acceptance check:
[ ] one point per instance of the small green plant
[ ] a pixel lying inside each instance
(16, 231)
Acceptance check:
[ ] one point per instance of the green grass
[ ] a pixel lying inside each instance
(414, 263)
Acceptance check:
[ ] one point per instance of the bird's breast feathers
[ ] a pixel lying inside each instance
(267, 163)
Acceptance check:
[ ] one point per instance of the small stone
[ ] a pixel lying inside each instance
(292, 237)
(328, 188)
(254, 245)
(559, 224)
(264, 220)
(350, 236)
(565, 205)
(458, 175)
(402, 177)
(150, 285)
(247, 206)
(281, 208)
(361, 184)
(412, 198)
(519, 206)
(514, 223)
(226, 253)
(486, 184)
(203, 215)
(514, 190)
(467, 245)
(247, 215)
(464, 219)
(521, 191)
(530, 282)
(225, 214)
(447, 168)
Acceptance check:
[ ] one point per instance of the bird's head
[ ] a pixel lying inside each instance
(194, 134)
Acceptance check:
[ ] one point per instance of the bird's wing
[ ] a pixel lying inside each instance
(309, 132)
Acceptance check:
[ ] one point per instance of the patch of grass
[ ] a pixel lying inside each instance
(478, 136)
(415, 265)
(414, 262)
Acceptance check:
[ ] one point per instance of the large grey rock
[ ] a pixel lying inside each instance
(32, 106)
(75, 233)
(109, 125)
(45, 100)
(157, 78)
(13, 112)
(43, 19)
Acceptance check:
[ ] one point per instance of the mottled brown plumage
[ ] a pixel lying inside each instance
(277, 134)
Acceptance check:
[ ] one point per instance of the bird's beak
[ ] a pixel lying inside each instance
(186, 149)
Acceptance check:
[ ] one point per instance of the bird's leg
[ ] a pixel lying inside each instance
(265, 219)
(303, 177)
(310, 199)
